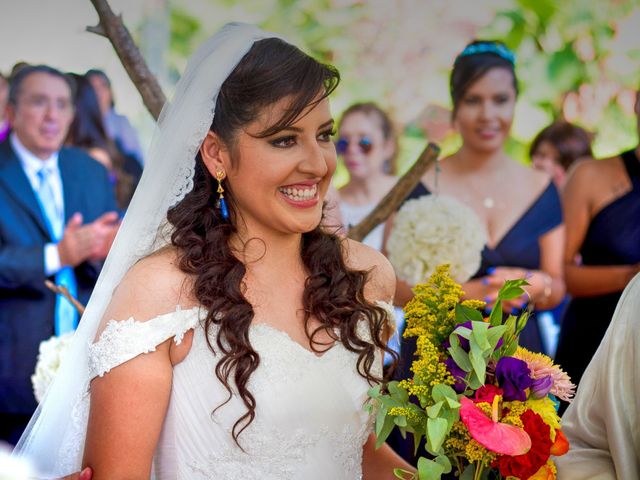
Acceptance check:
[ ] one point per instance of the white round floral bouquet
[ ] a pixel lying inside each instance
(433, 230)
(50, 355)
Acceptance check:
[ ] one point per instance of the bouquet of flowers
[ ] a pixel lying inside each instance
(432, 230)
(50, 355)
(483, 407)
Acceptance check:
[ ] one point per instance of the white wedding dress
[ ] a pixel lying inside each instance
(311, 421)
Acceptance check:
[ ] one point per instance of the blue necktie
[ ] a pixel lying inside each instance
(66, 316)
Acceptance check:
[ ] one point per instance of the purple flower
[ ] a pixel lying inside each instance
(514, 377)
(541, 386)
(457, 373)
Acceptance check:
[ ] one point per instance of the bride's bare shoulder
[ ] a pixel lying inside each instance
(381, 282)
(155, 285)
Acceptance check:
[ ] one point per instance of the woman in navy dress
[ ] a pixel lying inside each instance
(519, 206)
(602, 209)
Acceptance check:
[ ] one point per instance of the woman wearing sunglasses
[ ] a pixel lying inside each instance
(368, 146)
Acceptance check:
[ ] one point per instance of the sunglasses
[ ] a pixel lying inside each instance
(364, 144)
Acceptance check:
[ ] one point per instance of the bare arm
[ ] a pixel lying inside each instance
(378, 464)
(129, 403)
(587, 281)
(128, 406)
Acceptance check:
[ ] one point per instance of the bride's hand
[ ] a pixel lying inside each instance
(85, 474)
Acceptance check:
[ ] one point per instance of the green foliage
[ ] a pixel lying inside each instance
(183, 29)
(559, 47)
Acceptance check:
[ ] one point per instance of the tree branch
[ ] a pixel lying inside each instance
(397, 194)
(62, 290)
(111, 26)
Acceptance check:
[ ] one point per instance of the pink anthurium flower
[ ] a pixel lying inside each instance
(490, 433)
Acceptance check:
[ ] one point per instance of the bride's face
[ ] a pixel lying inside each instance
(279, 182)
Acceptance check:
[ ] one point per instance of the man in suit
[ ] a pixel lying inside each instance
(57, 220)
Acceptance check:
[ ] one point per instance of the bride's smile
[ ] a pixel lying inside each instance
(278, 183)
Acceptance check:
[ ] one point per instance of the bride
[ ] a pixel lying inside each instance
(241, 339)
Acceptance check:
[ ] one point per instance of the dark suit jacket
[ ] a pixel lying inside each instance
(26, 305)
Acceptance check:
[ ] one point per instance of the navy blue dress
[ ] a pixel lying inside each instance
(518, 248)
(613, 238)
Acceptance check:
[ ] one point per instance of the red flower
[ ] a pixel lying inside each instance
(527, 465)
(486, 393)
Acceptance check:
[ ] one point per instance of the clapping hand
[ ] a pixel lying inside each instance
(105, 229)
(91, 241)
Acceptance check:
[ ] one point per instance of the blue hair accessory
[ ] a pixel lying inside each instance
(489, 47)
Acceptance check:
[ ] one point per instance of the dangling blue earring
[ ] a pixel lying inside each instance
(221, 203)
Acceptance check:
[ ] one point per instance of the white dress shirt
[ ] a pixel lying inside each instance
(31, 166)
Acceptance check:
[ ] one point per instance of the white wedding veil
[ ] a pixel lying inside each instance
(54, 440)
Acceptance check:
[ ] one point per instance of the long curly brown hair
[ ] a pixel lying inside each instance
(333, 293)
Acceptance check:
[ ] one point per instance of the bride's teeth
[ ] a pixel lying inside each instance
(300, 194)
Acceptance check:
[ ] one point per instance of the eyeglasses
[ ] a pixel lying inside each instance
(43, 103)
(364, 144)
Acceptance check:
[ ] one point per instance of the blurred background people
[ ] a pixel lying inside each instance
(117, 126)
(87, 132)
(4, 97)
(556, 148)
(368, 146)
(57, 221)
(602, 213)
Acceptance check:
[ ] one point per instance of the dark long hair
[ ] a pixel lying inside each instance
(87, 131)
(571, 142)
(468, 69)
(333, 294)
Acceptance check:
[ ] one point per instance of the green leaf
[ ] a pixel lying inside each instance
(436, 432)
(451, 403)
(445, 462)
(511, 293)
(469, 473)
(466, 314)
(397, 393)
(434, 409)
(461, 331)
(494, 335)
(381, 417)
(403, 474)
(400, 420)
(460, 357)
(479, 335)
(478, 362)
(374, 392)
(442, 392)
(510, 325)
(451, 416)
(458, 354)
(521, 322)
(429, 469)
(495, 318)
(385, 430)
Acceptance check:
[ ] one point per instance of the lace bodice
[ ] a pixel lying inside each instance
(310, 423)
